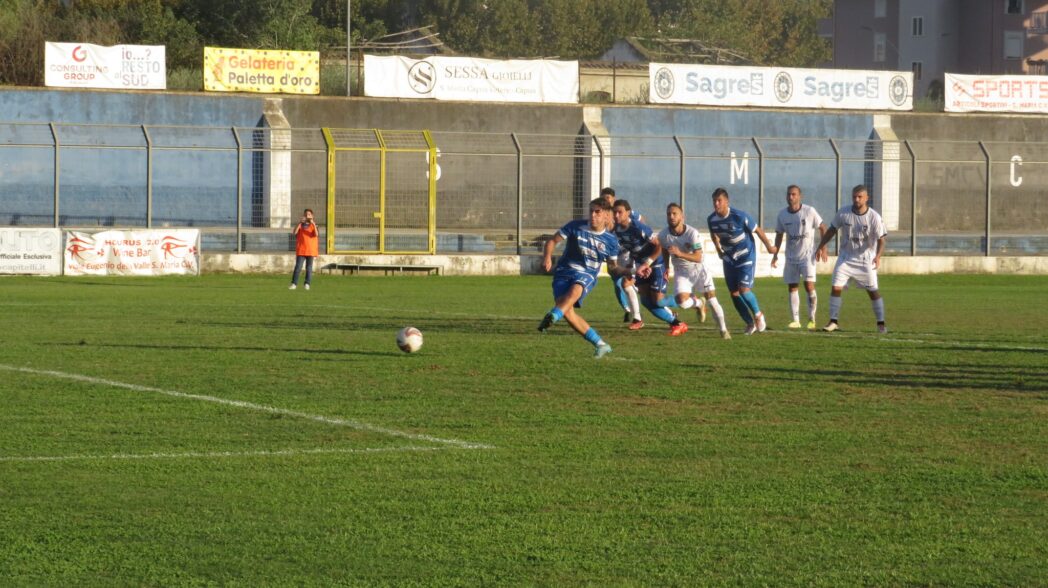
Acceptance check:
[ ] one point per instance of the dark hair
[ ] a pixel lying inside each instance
(721, 192)
(674, 205)
(309, 210)
(623, 203)
(608, 190)
(600, 203)
(792, 186)
(860, 188)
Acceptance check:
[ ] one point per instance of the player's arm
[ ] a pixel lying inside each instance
(820, 252)
(547, 252)
(764, 239)
(778, 241)
(880, 249)
(617, 271)
(716, 244)
(644, 269)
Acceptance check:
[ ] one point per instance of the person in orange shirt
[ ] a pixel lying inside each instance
(307, 247)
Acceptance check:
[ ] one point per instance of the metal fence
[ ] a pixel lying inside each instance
(501, 193)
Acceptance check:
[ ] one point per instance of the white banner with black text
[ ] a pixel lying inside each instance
(775, 87)
(30, 251)
(472, 79)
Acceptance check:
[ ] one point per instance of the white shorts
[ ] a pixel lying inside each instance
(857, 270)
(795, 273)
(692, 279)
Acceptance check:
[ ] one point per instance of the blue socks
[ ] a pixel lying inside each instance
(742, 308)
(660, 312)
(667, 302)
(751, 302)
(592, 336)
(621, 293)
(556, 314)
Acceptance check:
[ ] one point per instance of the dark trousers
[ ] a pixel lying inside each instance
(298, 267)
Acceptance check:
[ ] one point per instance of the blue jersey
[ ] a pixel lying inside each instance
(636, 239)
(735, 233)
(585, 249)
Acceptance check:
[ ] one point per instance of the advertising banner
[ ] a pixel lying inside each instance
(30, 251)
(120, 67)
(976, 93)
(259, 70)
(132, 253)
(471, 79)
(775, 87)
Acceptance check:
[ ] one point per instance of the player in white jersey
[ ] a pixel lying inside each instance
(682, 246)
(862, 242)
(797, 223)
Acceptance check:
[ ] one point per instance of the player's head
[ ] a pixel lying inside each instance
(599, 213)
(674, 215)
(622, 212)
(308, 213)
(721, 201)
(793, 196)
(608, 192)
(860, 198)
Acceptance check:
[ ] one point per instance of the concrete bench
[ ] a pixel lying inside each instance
(386, 268)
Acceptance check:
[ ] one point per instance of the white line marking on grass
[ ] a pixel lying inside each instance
(974, 344)
(215, 454)
(360, 426)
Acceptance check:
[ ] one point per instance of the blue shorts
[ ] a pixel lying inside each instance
(656, 280)
(739, 277)
(564, 280)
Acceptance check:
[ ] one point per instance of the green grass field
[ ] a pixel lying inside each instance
(224, 430)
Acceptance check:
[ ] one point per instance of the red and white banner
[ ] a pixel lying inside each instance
(472, 79)
(996, 93)
(133, 253)
(120, 67)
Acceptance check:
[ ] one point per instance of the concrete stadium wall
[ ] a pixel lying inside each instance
(513, 265)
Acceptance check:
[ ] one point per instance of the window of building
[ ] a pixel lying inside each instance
(1038, 22)
(1013, 6)
(918, 26)
(918, 70)
(880, 8)
(879, 43)
(1013, 44)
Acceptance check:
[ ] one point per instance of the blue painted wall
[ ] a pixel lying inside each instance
(651, 183)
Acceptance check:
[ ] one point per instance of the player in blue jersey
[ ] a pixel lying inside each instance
(646, 256)
(627, 297)
(588, 245)
(732, 231)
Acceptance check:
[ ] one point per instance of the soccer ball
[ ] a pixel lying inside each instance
(409, 339)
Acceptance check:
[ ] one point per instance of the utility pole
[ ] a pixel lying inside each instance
(349, 4)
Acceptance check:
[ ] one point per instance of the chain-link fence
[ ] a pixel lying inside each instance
(453, 192)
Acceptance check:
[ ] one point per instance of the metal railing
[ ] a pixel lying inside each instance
(506, 192)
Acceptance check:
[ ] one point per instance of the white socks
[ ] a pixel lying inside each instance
(795, 304)
(813, 301)
(878, 309)
(687, 303)
(718, 313)
(631, 295)
(835, 307)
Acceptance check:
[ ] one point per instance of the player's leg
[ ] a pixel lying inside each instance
(309, 270)
(809, 277)
(789, 275)
(299, 259)
(813, 301)
(568, 304)
(749, 298)
(731, 277)
(869, 281)
(841, 274)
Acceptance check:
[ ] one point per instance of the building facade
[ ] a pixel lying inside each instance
(933, 37)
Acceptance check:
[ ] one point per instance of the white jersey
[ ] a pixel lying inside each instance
(801, 229)
(858, 234)
(688, 242)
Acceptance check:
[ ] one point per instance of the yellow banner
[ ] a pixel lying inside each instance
(259, 70)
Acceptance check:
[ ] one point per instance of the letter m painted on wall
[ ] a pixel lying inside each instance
(740, 168)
